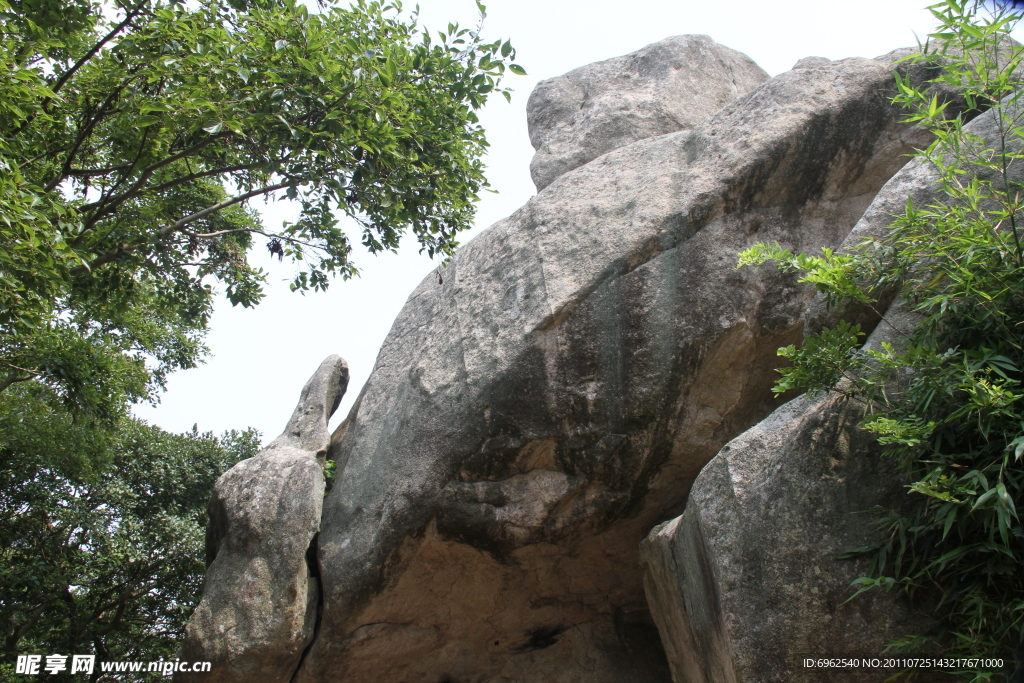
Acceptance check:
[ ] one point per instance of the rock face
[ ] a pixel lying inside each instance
(745, 583)
(532, 418)
(260, 597)
(666, 87)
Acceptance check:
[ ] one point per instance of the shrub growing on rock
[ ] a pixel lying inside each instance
(947, 400)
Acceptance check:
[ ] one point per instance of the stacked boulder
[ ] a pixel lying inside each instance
(531, 419)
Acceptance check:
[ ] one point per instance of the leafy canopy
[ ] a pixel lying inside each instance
(103, 533)
(946, 400)
(135, 134)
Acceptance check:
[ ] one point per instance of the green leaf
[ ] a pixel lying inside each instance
(950, 519)
(985, 497)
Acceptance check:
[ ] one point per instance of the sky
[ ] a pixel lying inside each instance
(260, 358)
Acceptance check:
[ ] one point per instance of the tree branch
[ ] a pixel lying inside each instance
(66, 76)
(284, 238)
(152, 168)
(14, 378)
(118, 199)
(219, 233)
(82, 137)
(124, 248)
(15, 632)
(90, 172)
(175, 227)
(43, 155)
(86, 225)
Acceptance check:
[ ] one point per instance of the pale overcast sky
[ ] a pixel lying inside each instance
(261, 357)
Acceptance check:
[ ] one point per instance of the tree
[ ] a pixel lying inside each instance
(946, 401)
(102, 542)
(134, 136)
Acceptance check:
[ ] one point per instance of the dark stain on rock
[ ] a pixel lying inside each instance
(541, 637)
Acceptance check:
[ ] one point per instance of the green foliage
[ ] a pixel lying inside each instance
(330, 472)
(101, 546)
(831, 273)
(822, 361)
(134, 136)
(946, 399)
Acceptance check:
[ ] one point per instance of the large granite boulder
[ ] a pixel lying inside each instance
(530, 419)
(666, 87)
(746, 582)
(261, 595)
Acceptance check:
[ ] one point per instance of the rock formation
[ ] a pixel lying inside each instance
(666, 87)
(260, 597)
(531, 419)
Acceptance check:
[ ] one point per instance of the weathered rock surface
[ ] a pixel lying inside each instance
(532, 418)
(917, 182)
(745, 583)
(260, 596)
(666, 87)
